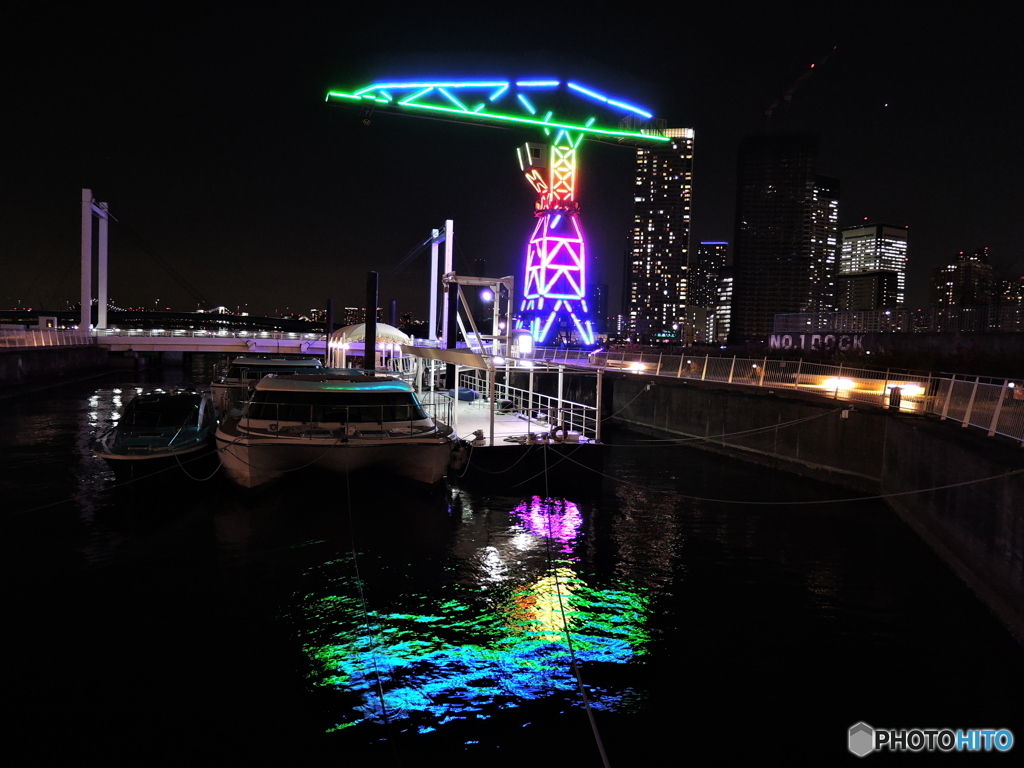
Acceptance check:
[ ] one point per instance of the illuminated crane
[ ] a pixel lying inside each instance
(554, 300)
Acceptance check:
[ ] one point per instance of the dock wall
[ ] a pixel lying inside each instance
(32, 366)
(977, 528)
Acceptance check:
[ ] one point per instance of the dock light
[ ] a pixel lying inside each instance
(487, 294)
(498, 360)
(522, 343)
(637, 366)
(907, 390)
(838, 383)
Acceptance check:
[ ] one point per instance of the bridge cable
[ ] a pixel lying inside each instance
(146, 249)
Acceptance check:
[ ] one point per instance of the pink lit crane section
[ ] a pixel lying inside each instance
(555, 297)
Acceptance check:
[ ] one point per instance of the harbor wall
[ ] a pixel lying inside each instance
(31, 366)
(977, 528)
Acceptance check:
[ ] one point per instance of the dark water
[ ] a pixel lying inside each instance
(347, 621)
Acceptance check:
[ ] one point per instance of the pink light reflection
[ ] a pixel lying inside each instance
(557, 519)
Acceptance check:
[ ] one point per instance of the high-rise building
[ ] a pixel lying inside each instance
(967, 281)
(705, 269)
(872, 289)
(656, 268)
(787, 233)
(875, 248)
(723, 307)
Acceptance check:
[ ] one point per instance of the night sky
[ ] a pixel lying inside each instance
(206, 130)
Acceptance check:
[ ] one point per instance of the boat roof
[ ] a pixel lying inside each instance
(332, 382)
(269, 362)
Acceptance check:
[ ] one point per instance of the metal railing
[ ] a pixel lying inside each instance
(205, 334)
(44, 337)
(319, 421)
(539, 410)
(996, 406)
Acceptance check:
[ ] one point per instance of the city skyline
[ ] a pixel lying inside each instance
(210, 139)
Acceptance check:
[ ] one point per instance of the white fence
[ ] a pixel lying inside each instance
(36, 337)
(996, 406)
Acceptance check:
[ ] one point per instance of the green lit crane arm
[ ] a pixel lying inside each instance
(477, 101)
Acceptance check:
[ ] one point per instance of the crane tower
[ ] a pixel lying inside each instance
(554, 304)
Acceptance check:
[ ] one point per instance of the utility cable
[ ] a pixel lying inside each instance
(670, 441)
(366, 613)
(577, 674)
(876, 497)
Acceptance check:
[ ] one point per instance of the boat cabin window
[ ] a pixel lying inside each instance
(335, 406)
(151, 413)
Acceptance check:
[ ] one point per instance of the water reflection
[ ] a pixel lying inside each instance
(500, 634)
(557, 519)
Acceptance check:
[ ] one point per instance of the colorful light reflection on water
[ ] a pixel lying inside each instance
(482, 647)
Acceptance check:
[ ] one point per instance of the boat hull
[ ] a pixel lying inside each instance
(196, 462)
(254, 463)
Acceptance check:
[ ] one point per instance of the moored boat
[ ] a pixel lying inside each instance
(159, 431)
(335, 422)
(232, 389)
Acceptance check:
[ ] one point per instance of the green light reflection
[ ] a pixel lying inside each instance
(472, 652)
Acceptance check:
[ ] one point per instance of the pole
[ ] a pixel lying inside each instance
(558, 408)
(999, 407)
(491, 374)
(86, 293)
(370, 337)
(949, 394)
(434, 235)
(445, 320)
(970, 403)
(529, 404)
(101, 270)
(451, 307)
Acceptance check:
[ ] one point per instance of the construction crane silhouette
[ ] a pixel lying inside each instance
(787, 96)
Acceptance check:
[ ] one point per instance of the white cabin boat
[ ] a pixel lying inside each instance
(337, 422)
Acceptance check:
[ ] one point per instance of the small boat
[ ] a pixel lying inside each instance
(157, 431)
(339, 422)
(232, 389)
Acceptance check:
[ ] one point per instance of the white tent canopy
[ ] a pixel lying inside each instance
(342, 341)
(385, 333)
